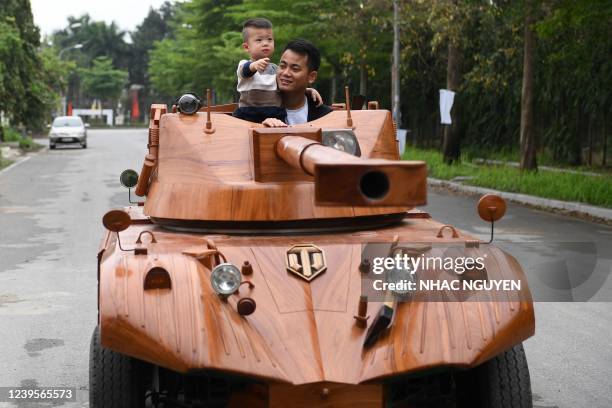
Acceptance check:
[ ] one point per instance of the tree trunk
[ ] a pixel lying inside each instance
(450, 145)
(528, 135)
(334, 84)
(363, 77)
(605, 140)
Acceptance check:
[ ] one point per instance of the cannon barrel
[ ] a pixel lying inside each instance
(344, 179)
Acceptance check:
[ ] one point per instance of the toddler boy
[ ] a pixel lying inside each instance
(259, 96)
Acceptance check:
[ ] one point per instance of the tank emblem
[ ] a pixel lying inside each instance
(306, 260)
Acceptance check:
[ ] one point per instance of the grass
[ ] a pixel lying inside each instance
(560, 186)
(25, 143)
(4, 162)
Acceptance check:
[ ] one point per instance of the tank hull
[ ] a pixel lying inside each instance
(302, 332)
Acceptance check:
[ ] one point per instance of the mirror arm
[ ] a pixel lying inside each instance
(492, 229)
(130, 198)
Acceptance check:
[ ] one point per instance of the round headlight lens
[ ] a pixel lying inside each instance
(343, 140)
(189, 104)
(225, 278)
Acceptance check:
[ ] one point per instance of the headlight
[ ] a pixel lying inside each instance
(343, 140)
(225, 278)
(189, 103)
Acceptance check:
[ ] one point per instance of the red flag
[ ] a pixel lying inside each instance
(135, 108)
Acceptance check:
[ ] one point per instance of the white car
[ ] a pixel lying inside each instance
(68, 130)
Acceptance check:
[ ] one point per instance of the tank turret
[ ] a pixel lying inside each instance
(208, 169)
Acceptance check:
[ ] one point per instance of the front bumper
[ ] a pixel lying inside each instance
(67, 139)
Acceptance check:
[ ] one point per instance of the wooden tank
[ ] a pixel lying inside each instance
(293, 215)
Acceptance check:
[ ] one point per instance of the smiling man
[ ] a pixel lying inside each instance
(297, 70)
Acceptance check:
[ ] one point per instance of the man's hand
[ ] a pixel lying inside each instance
(273, 122)
(315, 95)
(259, 65)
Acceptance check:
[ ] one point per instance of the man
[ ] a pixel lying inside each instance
(296, 71)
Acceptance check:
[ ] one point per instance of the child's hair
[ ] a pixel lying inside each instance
(254, 23)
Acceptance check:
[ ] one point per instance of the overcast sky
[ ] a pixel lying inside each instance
(52, 15)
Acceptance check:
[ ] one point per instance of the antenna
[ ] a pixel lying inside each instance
(349, 120)
(208, 129)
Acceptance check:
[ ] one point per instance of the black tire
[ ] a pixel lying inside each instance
(502, 382)
(52, 146)
(115, 380)
(84, 145)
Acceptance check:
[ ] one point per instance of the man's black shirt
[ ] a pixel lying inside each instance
(315, 112)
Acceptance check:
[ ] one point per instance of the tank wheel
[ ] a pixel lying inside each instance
(502, 382)
(115, 380)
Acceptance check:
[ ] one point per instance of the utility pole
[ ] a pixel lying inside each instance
(59, 56)
(395, 78)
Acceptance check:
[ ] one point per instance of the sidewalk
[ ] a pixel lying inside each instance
(11, 152)
(571, 208)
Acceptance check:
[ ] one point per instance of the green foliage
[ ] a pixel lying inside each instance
(21, 82)
(155, 27)
(11, 135)
(27, 143)
(595, 190)
(102, 80)
(98, 39)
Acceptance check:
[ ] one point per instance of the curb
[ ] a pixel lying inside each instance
(23, 158)
(15, 163)
(567, 207)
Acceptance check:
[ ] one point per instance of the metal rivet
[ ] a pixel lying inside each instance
(247, 268)
(364, 266)
(246, 306)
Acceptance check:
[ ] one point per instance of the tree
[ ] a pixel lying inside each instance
(20, 79)
(155, 27)
(528, 135)
(98, 38)
(103, 81)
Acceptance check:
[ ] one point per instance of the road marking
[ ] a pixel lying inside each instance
(15, 164)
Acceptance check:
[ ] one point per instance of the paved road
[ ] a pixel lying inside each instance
(50, 212)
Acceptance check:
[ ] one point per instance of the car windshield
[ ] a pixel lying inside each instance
(67, 122)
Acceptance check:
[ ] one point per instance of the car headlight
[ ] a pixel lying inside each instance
(225, 278)
(189, 104)
(343, 140)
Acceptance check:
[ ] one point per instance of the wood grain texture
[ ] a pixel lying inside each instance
(301, 333)
(202, 176)
(145, 174)
(267, 165)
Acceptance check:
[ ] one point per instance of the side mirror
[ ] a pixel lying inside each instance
(491, 208)
(87, 125)
(116, 220)
(48, 126)
(128, 178)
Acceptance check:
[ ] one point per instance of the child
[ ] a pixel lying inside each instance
(259, 95)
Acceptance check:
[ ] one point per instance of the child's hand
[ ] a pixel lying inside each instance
(315, 95)
(259, 65)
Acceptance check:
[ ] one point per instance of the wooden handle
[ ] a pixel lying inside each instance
(142, 188)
